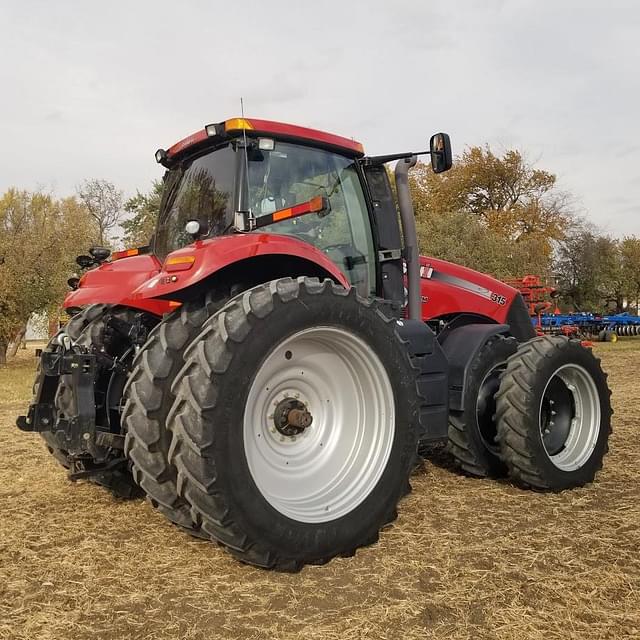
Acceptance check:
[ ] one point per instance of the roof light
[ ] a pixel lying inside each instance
(161, 155)
(236, 124)
(213, 130)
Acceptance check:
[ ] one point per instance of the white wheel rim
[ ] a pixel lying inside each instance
(327, 470)
(584, 426)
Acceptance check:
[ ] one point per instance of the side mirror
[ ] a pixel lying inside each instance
(440, 147)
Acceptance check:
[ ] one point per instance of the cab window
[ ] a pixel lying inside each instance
(292, 174)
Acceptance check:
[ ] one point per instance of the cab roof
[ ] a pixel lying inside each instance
(252, 126)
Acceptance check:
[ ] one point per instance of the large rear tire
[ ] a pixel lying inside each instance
(277, 491)
(148, 399)
(554, 414)
(472, 432)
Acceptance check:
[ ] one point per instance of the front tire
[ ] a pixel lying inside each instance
(277, 491)
(554, 414)
(98, 335)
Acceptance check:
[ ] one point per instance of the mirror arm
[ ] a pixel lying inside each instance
(376, 160)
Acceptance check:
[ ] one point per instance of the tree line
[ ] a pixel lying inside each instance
(501, 215)
(496, 213)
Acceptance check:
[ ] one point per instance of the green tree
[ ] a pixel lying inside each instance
(588, 270)
(143, 209)
(630, 267)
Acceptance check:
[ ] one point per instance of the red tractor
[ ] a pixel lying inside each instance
(266, 370)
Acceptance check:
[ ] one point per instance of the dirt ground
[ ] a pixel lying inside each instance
(466, 559)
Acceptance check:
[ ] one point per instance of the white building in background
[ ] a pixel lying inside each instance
(37, 327)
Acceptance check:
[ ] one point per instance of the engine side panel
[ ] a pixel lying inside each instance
(449, 289)
(114, 282)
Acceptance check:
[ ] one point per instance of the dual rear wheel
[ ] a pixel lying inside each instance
(548, 421)
(293, 424)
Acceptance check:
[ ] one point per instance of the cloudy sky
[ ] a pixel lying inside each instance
(92, 89)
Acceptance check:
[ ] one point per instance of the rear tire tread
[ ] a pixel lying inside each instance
(149, 397)
(192, 449)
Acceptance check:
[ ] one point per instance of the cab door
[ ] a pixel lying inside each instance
(387, 230)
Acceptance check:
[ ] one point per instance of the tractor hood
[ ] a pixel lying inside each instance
(450, 289)
(113, 283)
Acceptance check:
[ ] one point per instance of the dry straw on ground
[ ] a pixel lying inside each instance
(466, 559)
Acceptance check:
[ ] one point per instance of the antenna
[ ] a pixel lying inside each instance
(246, 153)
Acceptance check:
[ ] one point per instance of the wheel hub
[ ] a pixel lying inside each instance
(319, 424)
(291, 417)
(570, 417)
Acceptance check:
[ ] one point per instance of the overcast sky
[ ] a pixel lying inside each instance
(92, 89)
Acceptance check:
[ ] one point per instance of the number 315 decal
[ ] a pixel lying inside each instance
(498, 299)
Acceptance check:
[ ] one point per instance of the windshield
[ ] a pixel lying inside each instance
(199, 188)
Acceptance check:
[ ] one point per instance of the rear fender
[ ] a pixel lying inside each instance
(460, 346)
(430, 362)
(257, 256)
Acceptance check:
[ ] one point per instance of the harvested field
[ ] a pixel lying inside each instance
(466, 558)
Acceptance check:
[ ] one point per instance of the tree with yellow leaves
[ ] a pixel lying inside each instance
(39, 238)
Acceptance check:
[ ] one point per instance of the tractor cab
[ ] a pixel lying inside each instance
(256, 176)
(240, 181)
(259, 176)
